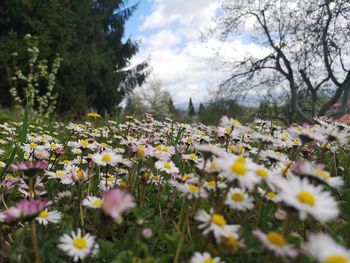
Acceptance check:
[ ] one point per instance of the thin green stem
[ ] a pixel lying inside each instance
(35, 242)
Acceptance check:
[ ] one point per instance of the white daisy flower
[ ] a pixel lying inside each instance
(78, 246)
(239, 199)
(276, 242)
(216, 224)
(212, 185)
(92, 202)
(45, 217)
(269, 195)
(238, 168)
(308, 199)
(166, 166)
(57, 174)
(204, 257)
(107, 157)
(323, 248)
(192, 190)
(306, 168)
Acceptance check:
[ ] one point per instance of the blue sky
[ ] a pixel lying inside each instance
(133, 24)
(170, 35)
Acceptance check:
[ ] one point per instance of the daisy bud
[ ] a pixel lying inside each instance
(147, 233)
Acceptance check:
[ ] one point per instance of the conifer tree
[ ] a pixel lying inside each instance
(191, 111)
(89, 37)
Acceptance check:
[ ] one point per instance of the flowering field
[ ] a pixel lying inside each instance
(150, 191)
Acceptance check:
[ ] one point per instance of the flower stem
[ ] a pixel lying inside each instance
(35, 242)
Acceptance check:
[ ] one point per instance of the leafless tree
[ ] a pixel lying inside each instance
(308, 49)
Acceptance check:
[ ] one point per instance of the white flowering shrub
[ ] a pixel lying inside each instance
(34, 87)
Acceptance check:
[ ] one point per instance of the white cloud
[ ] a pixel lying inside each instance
(186, 66)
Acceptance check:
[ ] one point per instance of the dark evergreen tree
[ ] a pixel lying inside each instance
(191, 111)
(201, 109)
(88, 34)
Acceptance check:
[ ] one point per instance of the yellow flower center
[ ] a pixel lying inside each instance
(146, 175)
(284, 138)
(322, 173)
(231, 242)
(122, 185)
(306, 198)
(167, 166)
(238, 197)
(189, 140)
(43, 214)
(93, 115)
(213, 165)
(208, 260)
(59, 174)
(235, 122)
(84, 143)
(53, 145)
(33, 145)
(336, 259)
(166, 149)
(156, 178)
(232, 148)
(106, 158)
(276, 238)
(185, 177)
(159, 147)
(110, 179)
(104, 145)
(211, 183)
(239, 167)
(271, 195)
(228, 130)
(262, 173)
(193, 188)
(296, 142)
(97, 203)
(193, 156)
(79, 243)
(141, 151)
(218, 220)
(80, 174)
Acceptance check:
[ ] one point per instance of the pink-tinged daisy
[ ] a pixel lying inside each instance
(277, 243)
(25, 208)
(324, 249)
(116, 202)
(78, 246)
(77, 174)
(29, 168)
